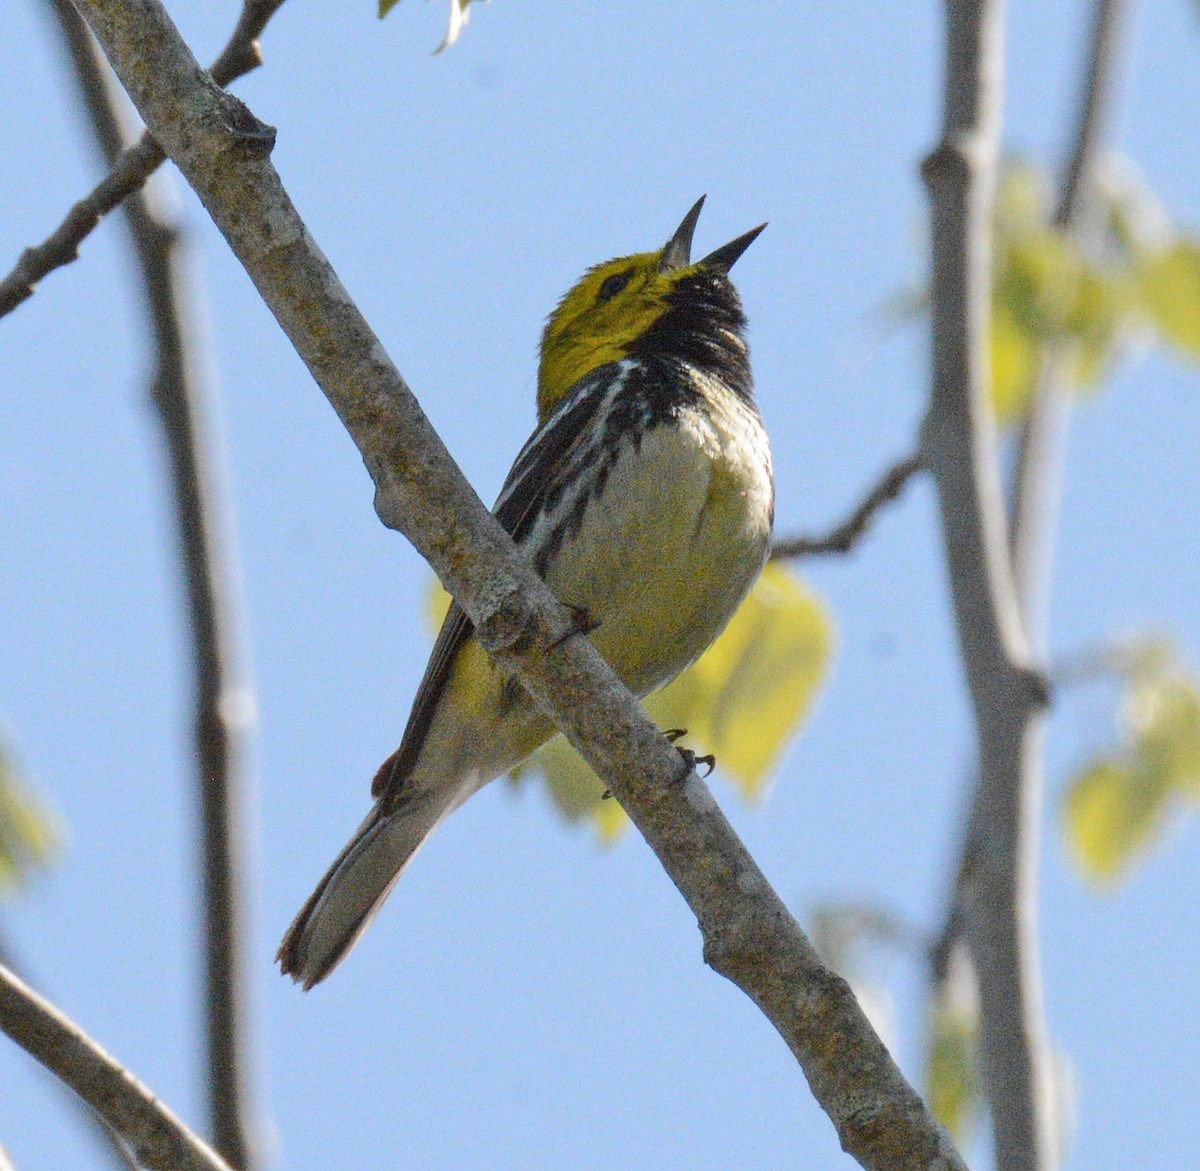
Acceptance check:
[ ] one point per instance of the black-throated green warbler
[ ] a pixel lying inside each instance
(644, 499)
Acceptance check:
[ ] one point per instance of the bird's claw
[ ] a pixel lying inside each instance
(690, 759)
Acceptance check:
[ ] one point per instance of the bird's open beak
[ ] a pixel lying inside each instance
(678, 252)
(724, 258)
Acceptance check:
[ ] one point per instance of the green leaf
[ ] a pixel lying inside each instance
(1112, 810)
(28, 835)
(743, 697)
(1118, 804)
(574, 790)
(1170, 293)
(1083, 308)
(1015, 355)
(1163, 713)
(1101, 315)
(1047, 293)
(952, 1086)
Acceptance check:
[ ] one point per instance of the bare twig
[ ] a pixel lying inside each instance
(129, 170)
(1006, 694)
(1041, 443)
(159, 1140)
(843, 538)
(223, 692)
(1038, 470)
(1094, 116)
(749, 935)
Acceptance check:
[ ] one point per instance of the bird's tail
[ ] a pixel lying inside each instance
(356, 885)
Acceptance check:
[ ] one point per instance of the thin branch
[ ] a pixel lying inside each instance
(224, 702)
(1040, 452)
(1095, 114)
(843, 538)
(1007, 696)
(748, 933)
(159, 1140)
(129, 171)
(1041, 444)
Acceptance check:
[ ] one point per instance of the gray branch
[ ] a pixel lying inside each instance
(748, 933)
(1007, 695)
(129, 169)
(224, 702)
(159, 1140)
(1041, 443)
(843, 538)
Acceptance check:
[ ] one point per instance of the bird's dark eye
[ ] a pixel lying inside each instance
(613, 285)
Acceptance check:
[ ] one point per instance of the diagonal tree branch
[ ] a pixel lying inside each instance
(104, 1134)
(129, 170)
(159, 1140)
(224, 702)
(843, 538)
(748, 933)
(1007, 696)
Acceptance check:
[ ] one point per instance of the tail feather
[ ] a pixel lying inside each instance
(355, 887)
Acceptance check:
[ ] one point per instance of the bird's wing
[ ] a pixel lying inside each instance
(537, 474)
(526, 492)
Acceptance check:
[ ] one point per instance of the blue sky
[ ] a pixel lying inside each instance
(528, 999)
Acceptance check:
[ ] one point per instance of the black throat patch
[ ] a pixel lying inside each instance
(703, 327)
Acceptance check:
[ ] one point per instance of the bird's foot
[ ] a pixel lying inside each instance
(690, 759)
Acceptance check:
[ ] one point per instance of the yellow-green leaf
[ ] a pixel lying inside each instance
(1014, 364)
(741, 700)
(1046, 292)
(28, 836)
(952, 1087)
(1119, 802)
(1163, 713)
(574, 789)
(745, 695)
(1100, 315)
(436, 605)
(1171, 294)
(1112, 810)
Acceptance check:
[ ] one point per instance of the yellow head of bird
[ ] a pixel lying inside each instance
(615, 303)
